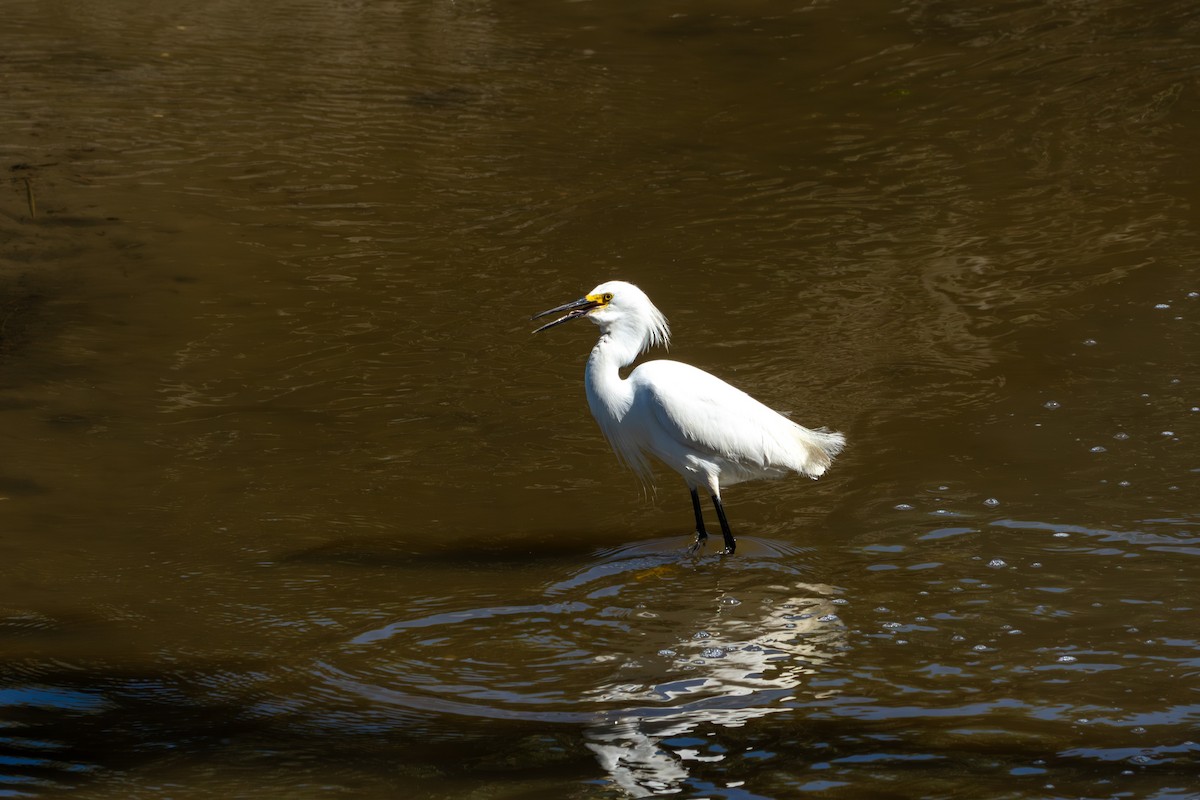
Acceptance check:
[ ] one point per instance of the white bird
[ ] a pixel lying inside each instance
(709, 432)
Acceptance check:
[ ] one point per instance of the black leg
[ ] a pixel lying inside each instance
(730, 544)
(701, 533)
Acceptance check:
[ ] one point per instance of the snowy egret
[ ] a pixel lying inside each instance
(709, 432)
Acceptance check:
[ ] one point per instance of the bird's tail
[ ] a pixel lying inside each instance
(820, 447)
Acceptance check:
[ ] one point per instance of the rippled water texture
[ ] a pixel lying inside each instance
(293, 505)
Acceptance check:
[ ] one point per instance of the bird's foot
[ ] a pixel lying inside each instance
(701, 540)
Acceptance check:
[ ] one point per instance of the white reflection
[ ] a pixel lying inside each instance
(735, 668)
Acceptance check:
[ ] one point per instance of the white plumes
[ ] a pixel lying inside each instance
(630, 317)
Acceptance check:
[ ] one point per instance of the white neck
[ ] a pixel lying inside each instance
(608, 394)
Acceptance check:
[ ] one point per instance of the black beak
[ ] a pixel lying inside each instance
(574, 309)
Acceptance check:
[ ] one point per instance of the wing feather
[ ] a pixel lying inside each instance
(708, 416)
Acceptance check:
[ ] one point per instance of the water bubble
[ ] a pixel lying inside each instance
(1099, 449)
(981, 648)
(1121, 436)
(1067, 659)
(712, 652)
(1138, 730)
(730, 601)
(1061, 535)
(1052, 405)
(892, 625)
(1168, 433)
(1015, 632)
(1124, 483)
(958, 638)
(827, 618)
(991, 501)
(666, 653)
(1161, 306)
(701, 635)
(1036, 565)
(997, 563)
(902, 507)
(1089, 342)
(943, 488)
(840, 601)
(882, 609)
(1193, 295)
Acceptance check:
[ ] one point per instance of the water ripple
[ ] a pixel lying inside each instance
(638, 648)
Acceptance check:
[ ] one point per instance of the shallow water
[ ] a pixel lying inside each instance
(294, 505)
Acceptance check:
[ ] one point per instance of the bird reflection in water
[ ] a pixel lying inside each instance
(642, 652)
(733, 669)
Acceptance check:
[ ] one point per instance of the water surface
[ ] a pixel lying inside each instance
(295, 506)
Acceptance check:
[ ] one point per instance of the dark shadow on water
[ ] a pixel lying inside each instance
(461, 550)
(495, 551)
(21, 486)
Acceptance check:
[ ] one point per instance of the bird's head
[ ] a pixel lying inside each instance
(621, 310)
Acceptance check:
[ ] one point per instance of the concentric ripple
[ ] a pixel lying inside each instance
(636, 646)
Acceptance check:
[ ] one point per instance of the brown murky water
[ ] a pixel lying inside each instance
(294, 506)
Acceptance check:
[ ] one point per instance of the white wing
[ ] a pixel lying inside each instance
(706, 416)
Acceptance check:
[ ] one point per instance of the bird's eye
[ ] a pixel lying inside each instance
(608, 297)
